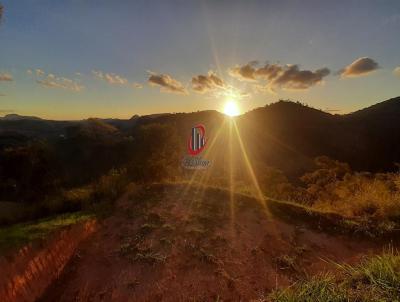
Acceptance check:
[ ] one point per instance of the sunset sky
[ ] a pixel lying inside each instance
(80, 58)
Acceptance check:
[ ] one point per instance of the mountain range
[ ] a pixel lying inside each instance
(285, 134)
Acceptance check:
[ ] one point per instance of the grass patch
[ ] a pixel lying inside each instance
(19, 234)
(375, 279)
(150, 257)
(133, 253)
(332, 222)
(319, 288)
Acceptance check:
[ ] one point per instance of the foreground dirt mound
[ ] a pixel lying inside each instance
(191, 243)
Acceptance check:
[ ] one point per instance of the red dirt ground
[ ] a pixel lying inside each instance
(170, 243)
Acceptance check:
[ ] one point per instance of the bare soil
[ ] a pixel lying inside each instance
(192, 243)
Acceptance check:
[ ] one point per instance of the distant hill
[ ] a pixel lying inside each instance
(285, 134)
(17, 117)
(368, 139)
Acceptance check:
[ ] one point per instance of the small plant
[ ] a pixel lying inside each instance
(126, 249)
(286, 262)
(206, 256)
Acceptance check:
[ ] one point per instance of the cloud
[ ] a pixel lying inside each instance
(360, 67)
(246, 72)
(110, 78)
(279, 76)
(396, 71)
(137, 85)
(40, 72)
(52, 81)
(167, 83)
(206, 83)
(291, 77)
(6, 77)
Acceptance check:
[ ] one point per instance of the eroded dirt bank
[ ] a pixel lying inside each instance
(170, 243)
(25, 275)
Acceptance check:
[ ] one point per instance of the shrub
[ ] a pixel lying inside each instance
(109, 186)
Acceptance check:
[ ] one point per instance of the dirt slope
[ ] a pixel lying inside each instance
(178, 243)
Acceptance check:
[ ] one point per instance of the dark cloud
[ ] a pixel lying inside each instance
(360, 67)
(167, 83)
(280, 76)
(245, 72)
(269, 71)
(291, 77)
(6, 77)
(206, 83)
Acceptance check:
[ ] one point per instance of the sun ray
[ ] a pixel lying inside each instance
(260, 195)
(231, 180)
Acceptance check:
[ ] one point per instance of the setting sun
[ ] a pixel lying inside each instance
(231, 108)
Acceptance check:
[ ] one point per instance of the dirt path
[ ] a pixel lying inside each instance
(171, 244)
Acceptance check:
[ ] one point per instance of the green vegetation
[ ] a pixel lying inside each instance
(19, 234)
(375, 279)
(91, 197)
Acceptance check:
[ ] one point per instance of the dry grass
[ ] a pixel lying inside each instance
(358, 196)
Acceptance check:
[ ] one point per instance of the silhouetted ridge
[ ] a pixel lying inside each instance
(285, 134)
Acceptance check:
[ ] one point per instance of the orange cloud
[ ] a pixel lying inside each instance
(110, 78)
(360, 67)
(396, 71)
(167, 83)
(6, 77)
(52, 81)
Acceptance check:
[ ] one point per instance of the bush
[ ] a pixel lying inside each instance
(109, 186)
